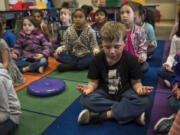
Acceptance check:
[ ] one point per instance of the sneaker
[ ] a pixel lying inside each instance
(168, 84)
(164, 124)
(141, 119)
(41, 69)
(84, 117)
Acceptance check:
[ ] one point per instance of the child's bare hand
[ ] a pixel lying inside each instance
(84, 89)
(57, 52)
(151, 44)
(144, 90)
(141, 59)
(168, 68)
(95, 51)
(14, 56)
(38, 56)
(176, 91)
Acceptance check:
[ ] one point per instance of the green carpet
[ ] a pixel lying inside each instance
(33, 124)
(78, 76)
(53, 105)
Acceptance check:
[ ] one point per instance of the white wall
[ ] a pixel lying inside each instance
(2, 5)
(83, 2)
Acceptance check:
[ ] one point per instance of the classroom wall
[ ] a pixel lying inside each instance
(167, 8)
(2, 5)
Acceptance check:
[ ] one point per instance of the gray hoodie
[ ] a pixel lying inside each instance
(9, 104)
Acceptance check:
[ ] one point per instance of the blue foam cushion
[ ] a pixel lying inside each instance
(46, 87)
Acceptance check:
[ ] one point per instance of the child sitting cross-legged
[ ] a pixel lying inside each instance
(164, 124)
(32, 49)
(79, 45)
(115, 90)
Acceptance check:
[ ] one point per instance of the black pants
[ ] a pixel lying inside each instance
(7, 127)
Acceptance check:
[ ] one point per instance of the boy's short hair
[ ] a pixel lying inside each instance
(101, 10)
(65, 10)
(113, 31)
(2, 19)
(37, 11)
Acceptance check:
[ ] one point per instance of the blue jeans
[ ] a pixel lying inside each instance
(7, 127)
(125, 107)
(32, 63)
(144, 67)
(164, 74)
(174, 103)
(82, 63)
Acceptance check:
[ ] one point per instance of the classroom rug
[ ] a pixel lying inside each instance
(66, 123)
(50, 105)
(30, 77)
(161, 106)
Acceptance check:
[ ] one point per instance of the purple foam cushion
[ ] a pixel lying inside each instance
(46, 87)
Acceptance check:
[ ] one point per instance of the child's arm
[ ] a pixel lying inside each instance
(139, 88)
(172, 53)
(87, 89)
(4, 99)
(141, 45)
(46, 46)
(93, 43)
(5, 58)
(151, 36)
(17, 48)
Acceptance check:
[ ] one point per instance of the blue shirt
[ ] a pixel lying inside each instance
(10, 38)
(150, 33)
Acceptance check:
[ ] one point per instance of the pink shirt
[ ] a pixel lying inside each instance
(129, 47)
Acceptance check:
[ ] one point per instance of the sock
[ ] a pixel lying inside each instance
(25, 69)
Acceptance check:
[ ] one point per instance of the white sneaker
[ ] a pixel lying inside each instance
(164, 124)
(141, 119)
(41, 69)
(168, 84)
(84, 117)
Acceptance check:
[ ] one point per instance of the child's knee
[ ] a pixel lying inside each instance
(43, 61)
(174, 103)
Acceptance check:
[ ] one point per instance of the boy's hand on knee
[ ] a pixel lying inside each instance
(84, 89)
(144, 90)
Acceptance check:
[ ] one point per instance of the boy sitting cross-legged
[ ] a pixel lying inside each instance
(115, 89)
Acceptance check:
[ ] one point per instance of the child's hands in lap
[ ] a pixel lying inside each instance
(38, 56)
(84, 89)
(58, 51)
(144, 90)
